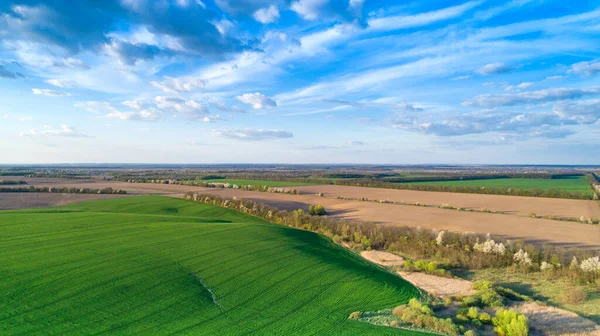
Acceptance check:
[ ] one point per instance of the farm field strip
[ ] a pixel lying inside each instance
(573, 184)
(140, 264)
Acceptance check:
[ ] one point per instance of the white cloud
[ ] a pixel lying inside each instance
(5, 116)
(189, 109)
(253, 134)
(63, 131)
(267, 15)
(177, 85)
(525, 85)
(49, 93)
(355, 143)
(495, 68)
(308, 9)
(23, 119)
(212, 119)
(586, 68)
(63, 83)
(143, 115)
(257, 100)
(531, 97)
(582, 112)
(408, 21)
(134, 104)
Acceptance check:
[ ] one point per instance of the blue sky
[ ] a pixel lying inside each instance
(301, 81)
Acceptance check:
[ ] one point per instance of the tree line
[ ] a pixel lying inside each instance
(107, 190)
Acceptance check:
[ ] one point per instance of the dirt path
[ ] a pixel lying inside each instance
(507, 226)
(383, 258)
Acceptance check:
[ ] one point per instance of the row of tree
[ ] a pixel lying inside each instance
(11, 182)
(58, 190)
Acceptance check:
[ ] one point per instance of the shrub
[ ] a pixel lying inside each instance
(355, 315)
(485, 318)
(510, 323)
(448, 301)
(482, 284)
(469, 301)
(574, 296)
(473, 313)
(431, 266)
(408, 265)
(316, 210)
(470, 333)
(398, 311)
(394, 324)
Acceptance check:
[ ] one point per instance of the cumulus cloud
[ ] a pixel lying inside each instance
(62, 83)
(5, 73)
(212, 119)
(267, 15)
(63, 131)
(143, 115)
(591, 68)
(24, 119)
(189, 109)
(257, 100)
(495, 68)
(178, 85)
(253, 134)
(50, 93)
(531, 97)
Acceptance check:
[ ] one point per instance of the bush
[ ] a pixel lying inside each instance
(510, 323)
(470, 333)
(485, 318)
(316, 210)
(574, 296)
(482, 284)
(355, 315)
(431, 266)
(473, 313)
(408, 265)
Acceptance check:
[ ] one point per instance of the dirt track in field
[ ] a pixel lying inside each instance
(513, 225)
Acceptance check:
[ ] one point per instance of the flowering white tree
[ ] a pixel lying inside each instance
(490, 246)
(546, 266)
(590, 264)
(440, 238)
(522, 257)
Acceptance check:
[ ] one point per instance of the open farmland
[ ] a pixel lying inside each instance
(578, 184)
(269, 183)
(161, 265)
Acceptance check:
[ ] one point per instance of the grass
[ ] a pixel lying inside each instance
(571, 183)
(258, 182)
(540, 287)
(157, 265)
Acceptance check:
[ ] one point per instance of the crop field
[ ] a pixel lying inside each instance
(571, 183)
(258, 182)
(160, 265)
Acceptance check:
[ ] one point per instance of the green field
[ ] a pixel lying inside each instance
(258, 182)
(572, 183)
(157, 265)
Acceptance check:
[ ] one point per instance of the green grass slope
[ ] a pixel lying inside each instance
(572, 183)
(258, 182)
(156, 265)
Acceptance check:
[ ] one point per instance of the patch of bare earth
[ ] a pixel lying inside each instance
(383, 258)
(15, 201)
(554, 321)
(439, 286)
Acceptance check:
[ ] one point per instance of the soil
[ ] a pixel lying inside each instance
(548, 320)
(439, 286)
(383, 258)
(14, 201)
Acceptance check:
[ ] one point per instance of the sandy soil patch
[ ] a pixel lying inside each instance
(439, 286)
(14, 201)
(554, 321)
(383, 258)
(515, 205)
